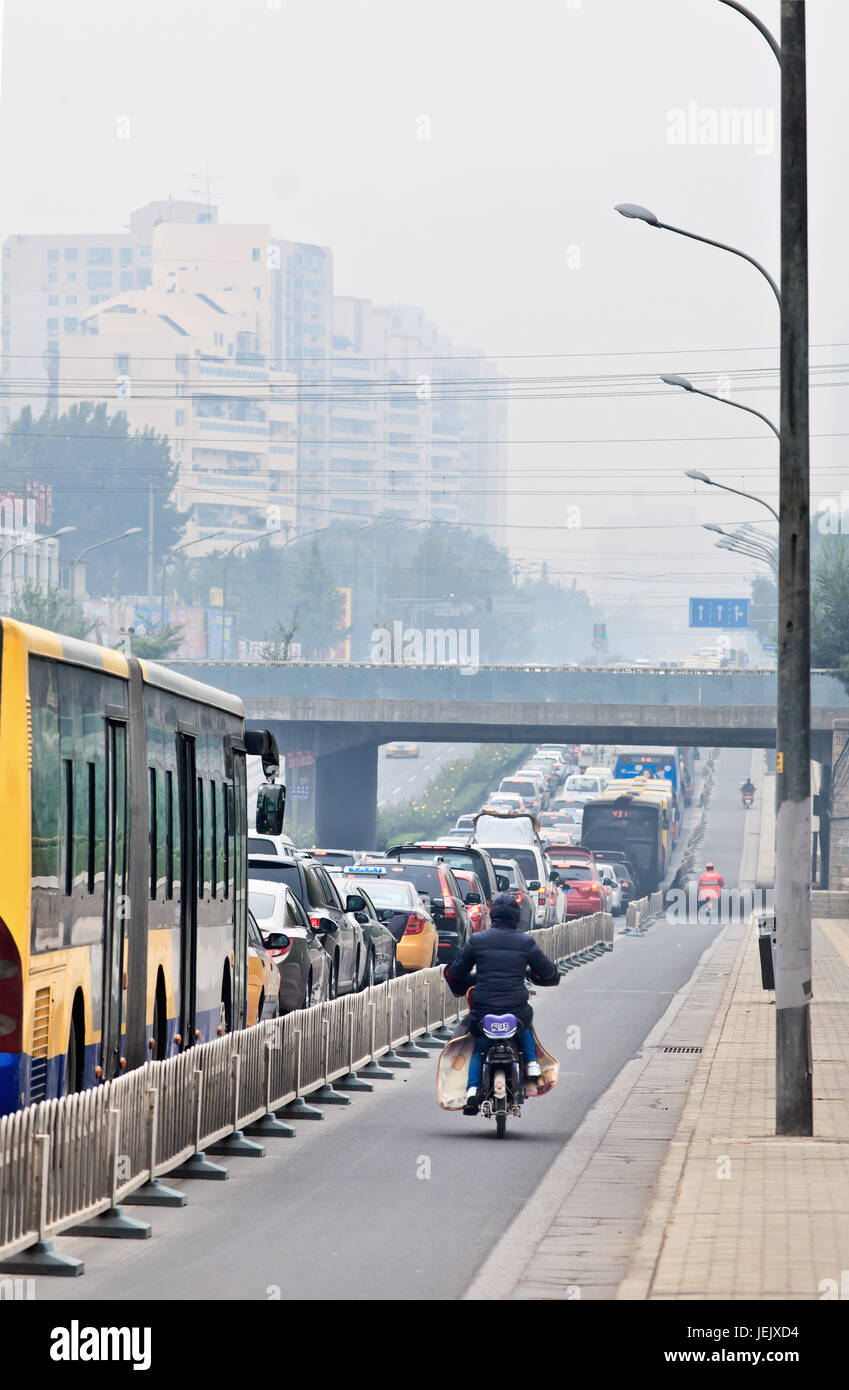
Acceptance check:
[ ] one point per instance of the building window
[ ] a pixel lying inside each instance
(144, 253)
(52, 299)
(180, 418)
(181, 363)
(52, 278)
(126, 279)
(69, 326)
(144, 278)
(99, 255)
(99, 279)
(71, 277)
(70, 299)
(122, 361)
(71, 253)
(53, 325)
(255, 253)
(52, 255)
(126, 255)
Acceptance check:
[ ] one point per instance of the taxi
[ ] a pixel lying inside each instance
(402, 750)
(263, 978)
(401, 908)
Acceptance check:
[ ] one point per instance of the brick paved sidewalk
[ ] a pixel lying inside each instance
(738, 1213)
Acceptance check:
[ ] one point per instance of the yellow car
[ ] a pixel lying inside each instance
(399, 906)
(402, 750)
(263, 978)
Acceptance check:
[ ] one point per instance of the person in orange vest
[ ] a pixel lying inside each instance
(710, 885)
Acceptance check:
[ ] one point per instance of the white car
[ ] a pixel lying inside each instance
(280, 845)
(602, 773)
(612, 887)
(581, 787)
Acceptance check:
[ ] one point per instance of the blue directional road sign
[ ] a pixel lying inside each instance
(719, 612)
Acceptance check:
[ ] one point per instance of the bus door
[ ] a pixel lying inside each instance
(114, 896)
(189, 868)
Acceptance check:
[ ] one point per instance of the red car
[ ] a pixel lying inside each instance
(579, 871)
(470, 885)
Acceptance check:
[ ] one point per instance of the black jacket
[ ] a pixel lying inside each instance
(499, 958)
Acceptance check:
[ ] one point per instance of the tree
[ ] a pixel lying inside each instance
(101, 476)
(52, 609)
(830, 606)
(157, 642)
(279, 643)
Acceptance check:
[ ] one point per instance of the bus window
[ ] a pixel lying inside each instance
(92, 826)
(68, 841)
(152, 831)
(213, 830)
(169, 834)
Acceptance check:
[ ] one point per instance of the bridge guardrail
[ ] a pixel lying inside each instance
(64, 1162)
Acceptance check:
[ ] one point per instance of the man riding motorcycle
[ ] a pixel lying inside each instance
(711, 884)
(499, 958)
(747, 789)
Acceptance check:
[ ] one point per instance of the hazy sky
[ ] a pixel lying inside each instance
(501, 224)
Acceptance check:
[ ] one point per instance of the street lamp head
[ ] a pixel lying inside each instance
(133, 531)
(639, 213)
(712, 526)
(696, 475)
(678, 381)
(64, 531)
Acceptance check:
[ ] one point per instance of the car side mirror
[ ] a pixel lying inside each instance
(277, 941)
(354, 903)
(534, 885)
(567, 887)
(608, 883)
(270, 809)
(471, 899)
(554, 876)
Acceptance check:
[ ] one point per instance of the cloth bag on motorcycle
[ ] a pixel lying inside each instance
(452, 1072)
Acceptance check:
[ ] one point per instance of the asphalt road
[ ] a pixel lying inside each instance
(391, 1197)
(400, 778)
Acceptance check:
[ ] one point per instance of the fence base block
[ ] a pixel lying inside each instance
(41, 1258)
(299, 1110)
(443, 1031)
(412, 1049)
(327, 1095)
(155, 1194)
(199, 1166)
(392, 1059)
(373, 1069)
(351, 1082)
(429, 1039)
(112, 1224)
(271, 1128)
(237, 1146)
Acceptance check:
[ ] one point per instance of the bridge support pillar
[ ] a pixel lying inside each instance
(346, 798)
(838, 857)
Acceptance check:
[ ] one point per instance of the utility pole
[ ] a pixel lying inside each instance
(793, 1075)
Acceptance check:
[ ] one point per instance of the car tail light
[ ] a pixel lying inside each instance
(448, 908)
(520, 897)
(623, 882)
(415, 924)
(542, 898)
(11, 993)
(315, 923)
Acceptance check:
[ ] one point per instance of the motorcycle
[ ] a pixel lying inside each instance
(748, 798)
(503, 1089)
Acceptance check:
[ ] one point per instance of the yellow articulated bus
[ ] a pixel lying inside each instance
(123, 880)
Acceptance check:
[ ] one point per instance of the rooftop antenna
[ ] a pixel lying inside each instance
(206, 179)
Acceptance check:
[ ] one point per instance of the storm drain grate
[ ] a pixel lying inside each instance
(680, 1049)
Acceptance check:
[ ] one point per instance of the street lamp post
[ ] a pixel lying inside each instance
(182, 546)
(686, 385)
(641, 214)
(131, 531)
(711, 482)
(246, 540)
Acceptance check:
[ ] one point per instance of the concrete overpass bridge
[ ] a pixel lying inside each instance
(342, 712)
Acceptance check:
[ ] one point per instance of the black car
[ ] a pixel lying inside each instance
(455, 856)
(625, 871)
(436, 884)
(512, 880)
(339, 931)
(380, 942)
(293, 944)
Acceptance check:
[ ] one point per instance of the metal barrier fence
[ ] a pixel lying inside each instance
(64, 1162)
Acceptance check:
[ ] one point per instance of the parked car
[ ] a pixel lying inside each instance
(512, 880)
(293, 944)
(402, 750)
(263, 979)
(466, 856)
(475, 898)
(339, 931)
(380, 943)
(400, 908)
(610, 881)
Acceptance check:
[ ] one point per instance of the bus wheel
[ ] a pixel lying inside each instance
(226, 1015)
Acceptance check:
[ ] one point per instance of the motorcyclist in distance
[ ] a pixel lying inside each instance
(747, 788)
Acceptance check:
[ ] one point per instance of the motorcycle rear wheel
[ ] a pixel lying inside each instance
(500, 1124)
